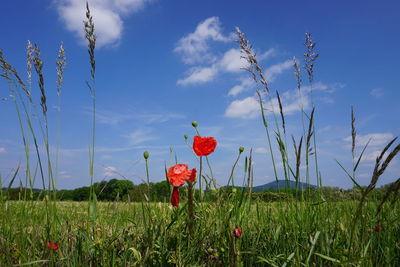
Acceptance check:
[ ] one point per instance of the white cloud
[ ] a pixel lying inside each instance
(141, 135)
(292, 101)
(275, 70)
(377, 139)
(109, 171)
(64, 174)
(194, 47)
(2, 150)
(232, 61)
(107, 17)
(375, 146)
(376, 92)
(260, 150)
(245, 85)
(245, 108)
(199, 75)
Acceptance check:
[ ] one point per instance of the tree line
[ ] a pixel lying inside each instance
(125, 190)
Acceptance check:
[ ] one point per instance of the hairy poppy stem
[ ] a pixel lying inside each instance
(200, 179)
(190, 209)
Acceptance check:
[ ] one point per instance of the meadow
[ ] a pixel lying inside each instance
(234, 228)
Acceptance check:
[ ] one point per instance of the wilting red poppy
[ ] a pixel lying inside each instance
(236, 232)
(178, 175)
(204, 146)
(378, 228)
(52, 246)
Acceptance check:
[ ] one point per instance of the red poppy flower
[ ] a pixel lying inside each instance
(52, 246)
(178, 175)
(204, 146)
(236, 232)
(378, 228)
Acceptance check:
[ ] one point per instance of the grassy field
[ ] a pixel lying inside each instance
(155, 234)
(232, 230)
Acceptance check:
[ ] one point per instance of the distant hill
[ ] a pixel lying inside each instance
(282, 185)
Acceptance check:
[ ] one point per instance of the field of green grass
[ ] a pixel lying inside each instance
(155, 234)
(212, 225)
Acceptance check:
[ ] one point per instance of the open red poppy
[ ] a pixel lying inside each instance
(204, 146)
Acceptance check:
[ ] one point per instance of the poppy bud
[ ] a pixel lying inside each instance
(241, 149)
(194, 124)
(186, 136)
(236, 232)
(175, 197)
(146, 155)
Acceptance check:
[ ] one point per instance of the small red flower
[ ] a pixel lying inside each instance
(178, 175)
(52, 246)
(236, 232)
(378, 228)
(204, 146)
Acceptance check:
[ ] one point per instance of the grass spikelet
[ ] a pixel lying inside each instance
(7, 69)
(29, 59)
(310, 57)
(310, 132)
(253, 68)
(91, 37)
(297, 73)
(353, 131)
(38, 64)
(60, 67)
(281, 112)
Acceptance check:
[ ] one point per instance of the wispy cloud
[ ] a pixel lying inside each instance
(199, 75)
(2, 150)
(194, 47)
(244, 85)
(109, 171)
(113, 118)
(64, 174)
(274, 71)
(107, 16)
(140, 136)
(377, 141)
(376, 92)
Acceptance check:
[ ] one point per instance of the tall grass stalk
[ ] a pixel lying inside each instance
(258, 76)
(310, 57)
(60, 67)
(91, 38)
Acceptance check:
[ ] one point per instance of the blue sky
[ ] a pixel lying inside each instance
(162, 64)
